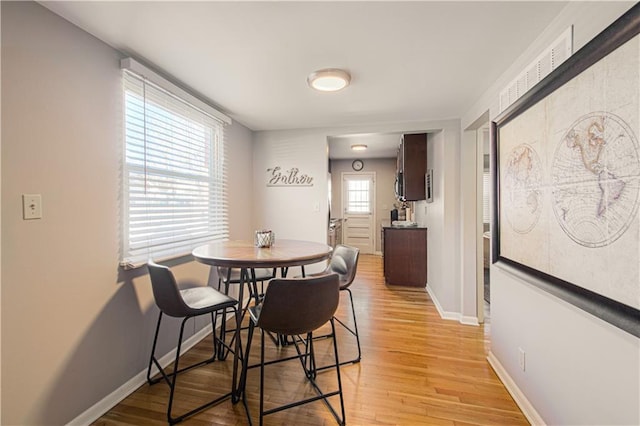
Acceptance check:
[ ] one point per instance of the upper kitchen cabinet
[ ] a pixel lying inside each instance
(412, 167)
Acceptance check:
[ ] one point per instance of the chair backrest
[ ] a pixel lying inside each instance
(299, 305)
(344, 262)
(166, 291)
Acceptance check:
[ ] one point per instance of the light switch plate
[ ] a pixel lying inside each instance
(31, 206)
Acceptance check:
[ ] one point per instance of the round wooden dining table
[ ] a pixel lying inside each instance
(246, 256)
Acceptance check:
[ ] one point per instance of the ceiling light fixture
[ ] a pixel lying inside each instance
(329, 80)
(358, 147)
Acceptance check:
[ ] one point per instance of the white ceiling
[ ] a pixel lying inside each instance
(379, 145)
(409, 61)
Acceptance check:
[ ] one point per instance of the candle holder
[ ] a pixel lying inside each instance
(264, 238)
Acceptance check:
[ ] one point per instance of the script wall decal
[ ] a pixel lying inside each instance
(291, 177)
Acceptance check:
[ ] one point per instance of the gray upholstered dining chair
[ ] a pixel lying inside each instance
(185, 304)
(294, 307)
(344, 262)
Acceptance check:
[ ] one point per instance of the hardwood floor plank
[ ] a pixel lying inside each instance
(416, 369)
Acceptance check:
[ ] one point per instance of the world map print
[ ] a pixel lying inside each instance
(594, 179)
(568, 182)
(522, 190)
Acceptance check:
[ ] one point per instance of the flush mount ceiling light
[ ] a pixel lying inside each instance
(359, 147)
(329, 80)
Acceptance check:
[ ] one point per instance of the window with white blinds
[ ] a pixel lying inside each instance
(358, 196)
(174, 180)
(486, 190)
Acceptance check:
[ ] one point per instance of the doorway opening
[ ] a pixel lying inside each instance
(358, 203)
(483, 143)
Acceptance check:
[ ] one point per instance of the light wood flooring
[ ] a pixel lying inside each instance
(416, 369)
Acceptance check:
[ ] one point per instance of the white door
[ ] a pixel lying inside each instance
(358, 190)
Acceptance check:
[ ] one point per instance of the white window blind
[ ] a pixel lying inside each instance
(358, 196)
(174, 178)
(486, 190)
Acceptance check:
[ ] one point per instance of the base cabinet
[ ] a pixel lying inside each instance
(405, 256)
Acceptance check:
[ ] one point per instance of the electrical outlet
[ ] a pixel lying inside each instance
(31, 206)
(521, 358)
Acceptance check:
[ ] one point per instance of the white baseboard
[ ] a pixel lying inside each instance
(466, 320)
(455, 316)
(443, 314)
(521, 400)
(111, 400)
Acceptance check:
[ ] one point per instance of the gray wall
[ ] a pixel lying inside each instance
(74, 327)
(441, 217)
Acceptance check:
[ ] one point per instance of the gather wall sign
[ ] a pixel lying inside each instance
(291, 177)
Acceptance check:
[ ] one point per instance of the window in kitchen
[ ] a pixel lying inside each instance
(358, 196)
(174, 180)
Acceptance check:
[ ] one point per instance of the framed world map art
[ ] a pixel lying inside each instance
(566, 176)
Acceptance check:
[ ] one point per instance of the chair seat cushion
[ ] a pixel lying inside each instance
(262, 274)
(205, 299)
(344, 284)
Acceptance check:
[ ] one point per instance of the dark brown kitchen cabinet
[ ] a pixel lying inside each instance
(405, 256)
(412, 166)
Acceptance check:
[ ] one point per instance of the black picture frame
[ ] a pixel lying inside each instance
(621, 315)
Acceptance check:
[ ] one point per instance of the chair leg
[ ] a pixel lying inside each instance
(245, 364)
(172, 385)
(171, 378)
(254, 288)
(307, 360)
(335, 352)
(222, 353)
(250, 282)
(236, 359)
(213, 335)
(312, 373)
(152, 359)
(355, 326)
(224, 347)
(311, 356)
(261, 376)
(163, 374)
(353, 331)
(240, 391)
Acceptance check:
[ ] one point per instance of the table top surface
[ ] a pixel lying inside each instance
(244, 254)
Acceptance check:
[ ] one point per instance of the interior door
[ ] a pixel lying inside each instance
(358, 192)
